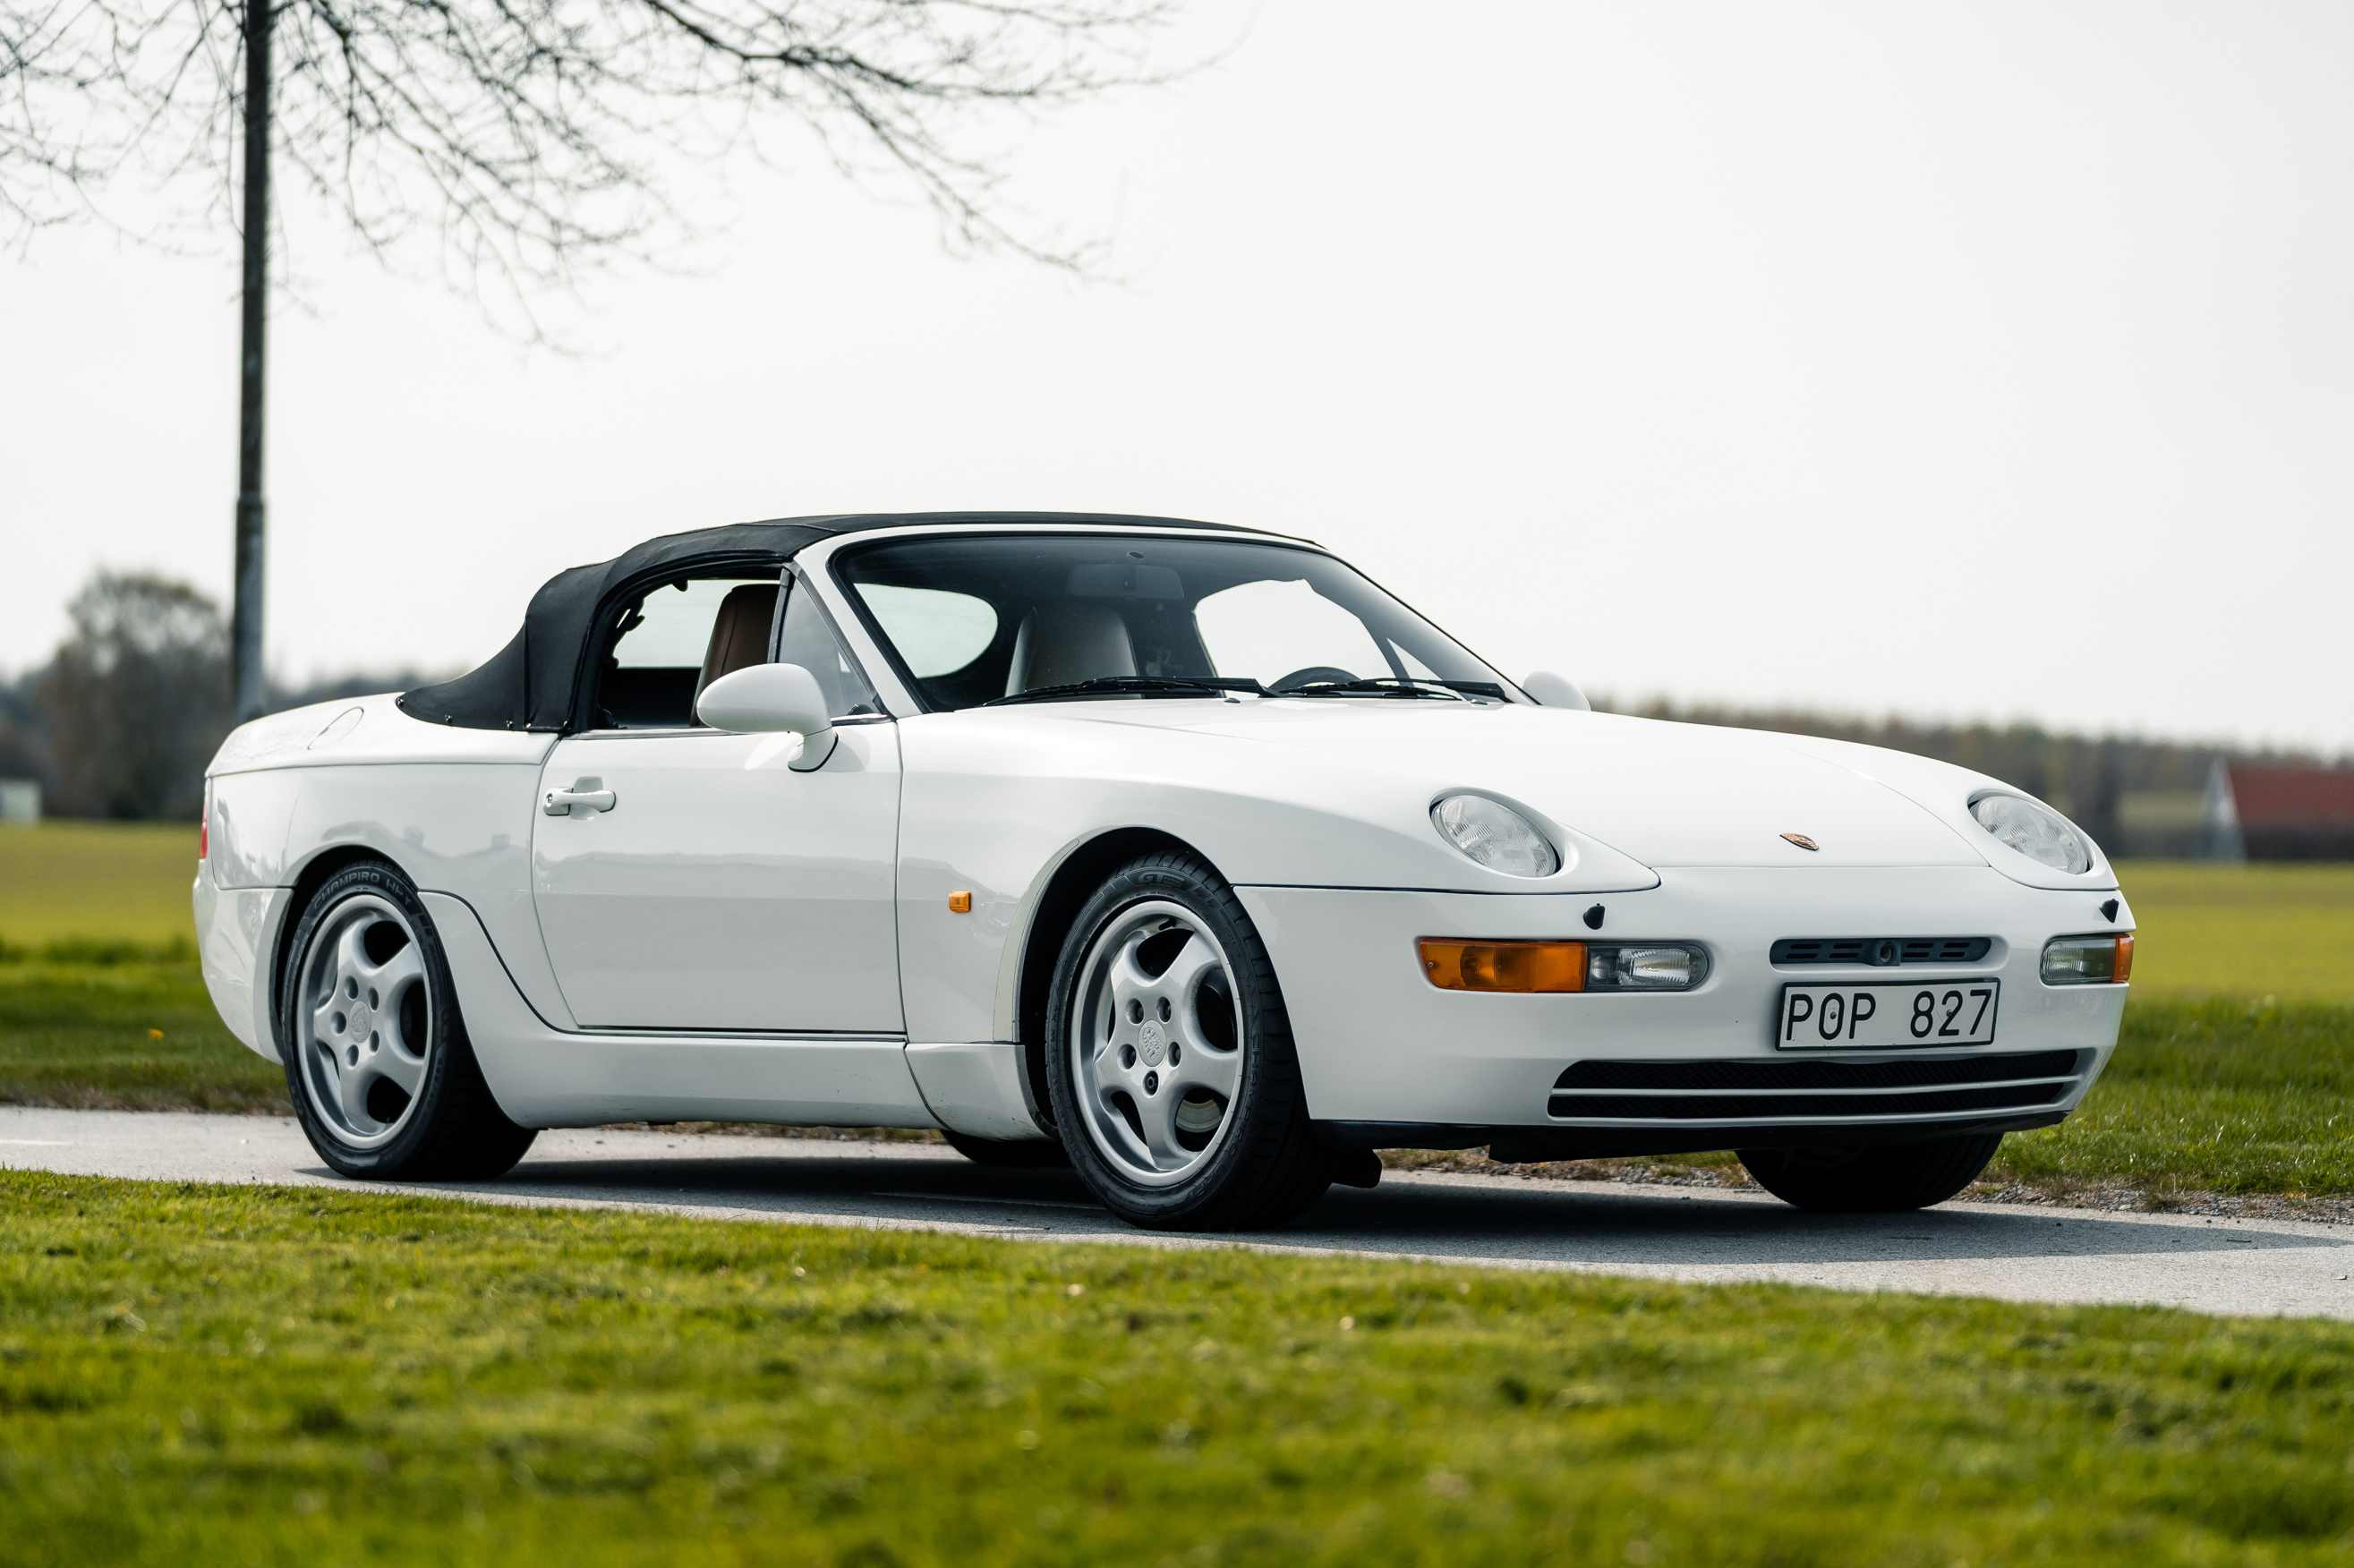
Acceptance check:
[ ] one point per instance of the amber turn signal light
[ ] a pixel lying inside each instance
(1504, 966)
(960, 902)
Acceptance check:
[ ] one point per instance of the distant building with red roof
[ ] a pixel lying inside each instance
(2277, 813)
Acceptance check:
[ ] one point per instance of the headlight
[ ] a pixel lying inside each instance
(2038, 833)
(1495, 835)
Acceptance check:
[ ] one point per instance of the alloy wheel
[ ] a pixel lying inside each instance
(1157, 1045)
(364, 1027)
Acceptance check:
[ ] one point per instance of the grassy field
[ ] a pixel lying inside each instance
(137, 1032)
(2219, 1095)
(2236, 1073)
(98, 882)
(2283, 931)
(276, 1376)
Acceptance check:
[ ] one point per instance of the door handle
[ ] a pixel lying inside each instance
(584, 792)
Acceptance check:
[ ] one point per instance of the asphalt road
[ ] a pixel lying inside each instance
(2263, 1267)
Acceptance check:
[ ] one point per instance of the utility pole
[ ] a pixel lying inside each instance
(245, 634)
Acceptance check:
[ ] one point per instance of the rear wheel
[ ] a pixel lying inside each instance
(1875, 1181)
(1008, 1154)
(1170, 1060)
(383, 1077)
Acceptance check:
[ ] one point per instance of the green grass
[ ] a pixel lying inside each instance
(2217, 1095)
(103, 881)
(279, 1376)
(136, 1030)
(2283, 931)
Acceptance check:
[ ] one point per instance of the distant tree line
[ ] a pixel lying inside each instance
(122, 720)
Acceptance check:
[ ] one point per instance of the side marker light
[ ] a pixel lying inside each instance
(1504, 966)
(960, 902)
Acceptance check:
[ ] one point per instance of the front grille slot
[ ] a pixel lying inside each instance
(1797, 1089)
(1777, 1074)
(1760, 1108)
(1879, 951)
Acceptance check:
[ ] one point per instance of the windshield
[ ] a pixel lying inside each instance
(974, 621)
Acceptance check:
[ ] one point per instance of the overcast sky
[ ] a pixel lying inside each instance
(1961, 360)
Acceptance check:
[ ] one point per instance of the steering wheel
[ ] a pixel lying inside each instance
(1314, 673)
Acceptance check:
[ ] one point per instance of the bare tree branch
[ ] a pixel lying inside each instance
(529, 139)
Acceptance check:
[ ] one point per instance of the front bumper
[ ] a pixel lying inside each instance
(1390, 1061)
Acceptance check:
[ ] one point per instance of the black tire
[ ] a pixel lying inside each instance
(1877, 1181)
(1260, 1165)
(448, 1127)
(1009, 1154)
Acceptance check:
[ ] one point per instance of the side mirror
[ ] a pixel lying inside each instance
(1550, 690)
(772, 699)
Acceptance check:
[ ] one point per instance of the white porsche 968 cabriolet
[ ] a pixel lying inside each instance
(1182, 852)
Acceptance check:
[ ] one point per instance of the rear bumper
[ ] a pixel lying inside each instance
(1390, 1061)
(237, 937)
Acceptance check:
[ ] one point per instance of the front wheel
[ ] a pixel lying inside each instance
(1878, 1180)
(1170, 1059)
(383, 1077)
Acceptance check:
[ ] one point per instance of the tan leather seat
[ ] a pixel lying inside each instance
(1063, 644)
(740, 635)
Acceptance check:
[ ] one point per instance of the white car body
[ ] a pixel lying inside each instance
(744, 941)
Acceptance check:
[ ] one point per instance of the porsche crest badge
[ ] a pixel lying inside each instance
(1802, 840)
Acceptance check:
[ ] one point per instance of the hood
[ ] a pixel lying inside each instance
(1664, 794)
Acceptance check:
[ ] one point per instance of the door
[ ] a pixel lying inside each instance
(704, 884)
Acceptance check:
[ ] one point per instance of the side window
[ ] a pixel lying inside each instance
(676, 638)
(808, 640)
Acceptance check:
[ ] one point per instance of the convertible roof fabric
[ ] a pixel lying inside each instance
(531, 683)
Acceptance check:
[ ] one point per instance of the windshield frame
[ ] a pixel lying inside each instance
(829, 553)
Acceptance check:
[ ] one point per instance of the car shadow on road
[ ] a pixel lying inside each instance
(1532, 1225)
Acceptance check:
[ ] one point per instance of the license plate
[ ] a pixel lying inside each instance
(1879, 1016)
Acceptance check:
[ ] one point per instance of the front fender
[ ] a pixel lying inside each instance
(995, 809)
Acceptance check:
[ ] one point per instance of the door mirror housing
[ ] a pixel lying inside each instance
(1554, 691)
(772, 699)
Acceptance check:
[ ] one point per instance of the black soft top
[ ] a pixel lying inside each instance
(533, 682)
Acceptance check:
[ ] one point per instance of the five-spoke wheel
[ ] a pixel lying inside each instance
(367, 1021)
(1164, 1053)
(383, 1077)
(1169, 1057)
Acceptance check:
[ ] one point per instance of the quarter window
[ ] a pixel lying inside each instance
(675, 637)
(807, 639)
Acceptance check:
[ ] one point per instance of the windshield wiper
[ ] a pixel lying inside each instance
(1135, 685)
(1392, 686)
